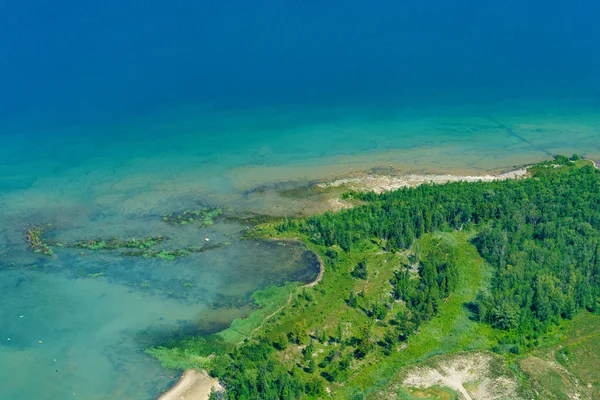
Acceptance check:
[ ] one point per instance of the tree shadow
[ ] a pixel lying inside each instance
(472, 309)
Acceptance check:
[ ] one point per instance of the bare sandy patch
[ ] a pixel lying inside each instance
(192, 385)
(471, 375)
(382, 183)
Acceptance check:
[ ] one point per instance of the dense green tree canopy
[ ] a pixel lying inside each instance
(540, 233)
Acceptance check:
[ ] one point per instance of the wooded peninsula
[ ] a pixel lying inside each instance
(508, 269)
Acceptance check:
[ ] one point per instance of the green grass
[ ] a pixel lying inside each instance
(583, 163)
(567, 360)
(269, 301)
(431, 393)
(452, 330)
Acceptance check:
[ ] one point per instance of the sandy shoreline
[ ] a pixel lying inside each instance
(192, 385)
(379, 183)
(383, 183)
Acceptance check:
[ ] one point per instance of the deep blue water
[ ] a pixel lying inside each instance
(72, 61)
(113, 113)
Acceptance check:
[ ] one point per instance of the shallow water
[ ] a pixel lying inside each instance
(77, 322)
(146, 163)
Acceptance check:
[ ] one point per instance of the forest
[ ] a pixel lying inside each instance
(540, 235)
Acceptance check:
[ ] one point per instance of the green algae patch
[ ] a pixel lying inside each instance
(142, 247)
(35, 239)
(194, 352)
(116, 243)
(171, 255)
(202, 217)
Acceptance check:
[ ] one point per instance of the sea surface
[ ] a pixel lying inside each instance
(116, 113)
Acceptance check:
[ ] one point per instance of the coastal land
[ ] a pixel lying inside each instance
(348, 337)
(197, 385)
(412, 286)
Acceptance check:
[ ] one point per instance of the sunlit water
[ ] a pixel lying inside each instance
(114, 113)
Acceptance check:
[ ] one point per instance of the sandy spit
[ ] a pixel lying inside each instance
(192, 385)
(383, 183)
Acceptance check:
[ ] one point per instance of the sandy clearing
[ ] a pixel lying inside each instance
(472, 369)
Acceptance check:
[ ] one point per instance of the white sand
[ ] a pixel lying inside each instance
(472, 369)
(382, 183)
(192, 385)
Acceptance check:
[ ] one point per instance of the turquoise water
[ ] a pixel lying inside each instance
(147, 160)
(77, 323)
(114, 113)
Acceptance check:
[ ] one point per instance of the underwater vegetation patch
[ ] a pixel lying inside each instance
(230, 301)
(171, 255)
(35, 239)
(252, 218)
(305, 191)
(202, 217)
(132, 247)
(116, 243)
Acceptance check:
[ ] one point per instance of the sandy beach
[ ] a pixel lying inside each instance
(192, 385)
(380, 183)
(383, 183)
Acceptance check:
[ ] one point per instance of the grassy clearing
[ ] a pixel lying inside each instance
(581, 356)
(323, 312)
(481, 375)
(568, 363)
(583, 163)
(563, 368)
(432, 393)
(452, 330)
